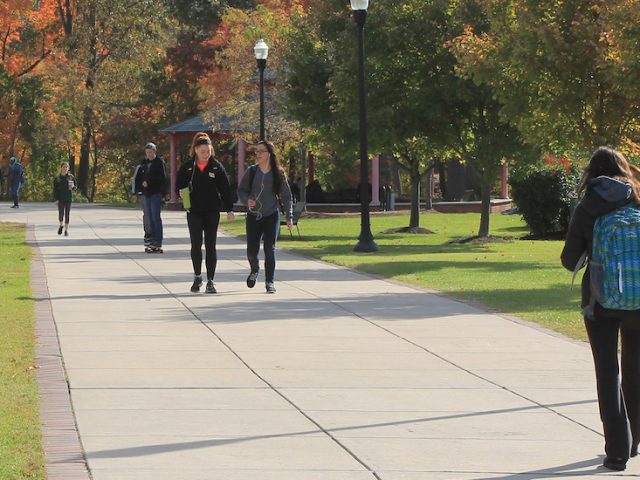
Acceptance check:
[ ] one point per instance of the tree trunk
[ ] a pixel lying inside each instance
(429, 201)
(94, 170)
(414, 220)
(14, 134)
(485, 196)
(85, 152)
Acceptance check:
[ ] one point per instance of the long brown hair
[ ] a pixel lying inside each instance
(201, 138)
(278, 171)
(606, 161)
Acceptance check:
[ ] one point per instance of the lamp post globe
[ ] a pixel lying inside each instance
(365, 239)
(359, 4)
(261, 51)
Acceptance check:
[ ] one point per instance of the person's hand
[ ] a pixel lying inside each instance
(231, 216)
(181, 193)
(144, 184)
(290, 224)
(251, 203)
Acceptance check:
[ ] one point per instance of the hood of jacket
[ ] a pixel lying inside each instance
(605, 194)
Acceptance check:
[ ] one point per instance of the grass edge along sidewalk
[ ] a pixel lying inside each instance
(21, 452)
(510, 274)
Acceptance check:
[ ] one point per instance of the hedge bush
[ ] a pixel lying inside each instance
(545, 196)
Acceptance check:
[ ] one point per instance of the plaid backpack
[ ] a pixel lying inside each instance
(615, 260)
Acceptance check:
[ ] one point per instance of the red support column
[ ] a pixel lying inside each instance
(173, 167)
(504, 193)
(375, 181)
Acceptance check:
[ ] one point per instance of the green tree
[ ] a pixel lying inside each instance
(567, 71)
(420, 109)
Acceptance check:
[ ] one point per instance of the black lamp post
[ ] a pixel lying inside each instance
(365, 240)
(261, 51)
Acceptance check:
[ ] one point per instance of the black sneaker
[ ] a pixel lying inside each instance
(617, 464)
(270, 288)
(66, 234)
(210, 287)
(197, 283)
(60, 231)
(251, 279)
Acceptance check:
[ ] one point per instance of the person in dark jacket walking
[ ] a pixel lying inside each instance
(262, 188)
(609, 182)
(138, 190)
(15, 179)
(153, 187)
(209, 193)
(63, 187)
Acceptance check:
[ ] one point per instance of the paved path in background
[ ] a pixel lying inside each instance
(339, 376)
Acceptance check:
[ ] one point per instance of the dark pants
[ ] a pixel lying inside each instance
(63, 211)
(619, 404)
(206, 223)
(265, 229)
(15, 193)
(154, 203)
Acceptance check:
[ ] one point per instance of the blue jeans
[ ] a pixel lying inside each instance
(154, 203)
(146, 217)
(15, 192)
(265, 229)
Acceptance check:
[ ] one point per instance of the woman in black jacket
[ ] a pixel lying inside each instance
(609, 182)
(209, 193)
(63, 188)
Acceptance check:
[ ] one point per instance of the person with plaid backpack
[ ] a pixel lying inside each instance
(604, 234)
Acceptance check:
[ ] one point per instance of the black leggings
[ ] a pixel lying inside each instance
(619, 403)
(265, 229)
(206, 223)
(63, 211)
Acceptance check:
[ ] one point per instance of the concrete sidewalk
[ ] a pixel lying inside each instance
(339, 376)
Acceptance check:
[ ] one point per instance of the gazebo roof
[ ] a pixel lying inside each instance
(221, 123)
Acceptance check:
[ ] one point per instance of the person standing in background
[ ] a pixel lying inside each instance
(138, 190)
(153, 186)
(63, 187)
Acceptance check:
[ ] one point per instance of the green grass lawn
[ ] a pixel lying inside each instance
(21, 455)
(520, 277)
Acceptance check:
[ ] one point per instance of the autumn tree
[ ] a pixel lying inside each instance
(27, 37)
(110, 48)
(232, 88)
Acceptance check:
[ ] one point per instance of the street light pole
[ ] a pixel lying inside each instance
(365, 240)
(261, 51)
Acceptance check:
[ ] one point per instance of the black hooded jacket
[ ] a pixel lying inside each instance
(603, 195)
(210, 189)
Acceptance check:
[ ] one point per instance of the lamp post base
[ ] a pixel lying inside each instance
(366, 246)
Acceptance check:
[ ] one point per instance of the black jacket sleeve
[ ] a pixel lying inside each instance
(183, 176)
(579, 238)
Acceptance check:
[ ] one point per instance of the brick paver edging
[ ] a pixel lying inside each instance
(62, 448)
